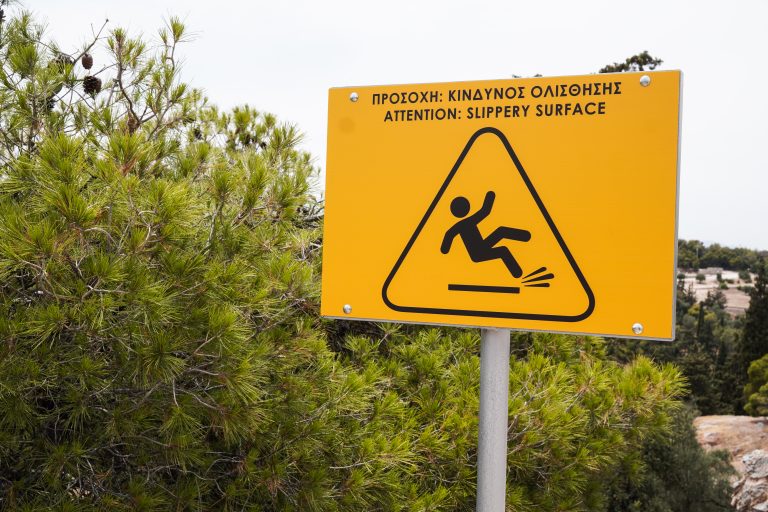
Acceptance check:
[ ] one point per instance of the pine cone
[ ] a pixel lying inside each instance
(133, 123)
(92, 85)
(87, 61)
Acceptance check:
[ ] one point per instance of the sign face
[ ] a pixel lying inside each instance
(534, 204)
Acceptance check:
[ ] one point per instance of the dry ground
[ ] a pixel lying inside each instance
(738, 435)
(738, 301)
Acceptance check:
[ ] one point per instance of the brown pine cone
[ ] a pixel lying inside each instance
(92, 85)
(133, 123)
(87, 61)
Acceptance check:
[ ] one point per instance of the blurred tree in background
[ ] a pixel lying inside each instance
(693, 255)
(755, 339)
(677, 475)
(754, 352)
(638, 62)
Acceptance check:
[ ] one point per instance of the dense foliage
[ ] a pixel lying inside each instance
(754, 347)
(755, 340)
(706, 349)
(567, 403)
(160, 345)
(693, 254)
(714, 349)
(677, 475)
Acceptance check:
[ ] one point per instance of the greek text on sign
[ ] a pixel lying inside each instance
(535, 204)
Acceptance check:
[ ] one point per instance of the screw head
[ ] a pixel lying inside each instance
(347, 309)
(645, 80)
(637, 328)
(353, 97)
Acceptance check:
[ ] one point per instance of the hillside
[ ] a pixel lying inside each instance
(734, 288)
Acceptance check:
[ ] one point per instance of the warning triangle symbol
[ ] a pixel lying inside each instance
(487, 247)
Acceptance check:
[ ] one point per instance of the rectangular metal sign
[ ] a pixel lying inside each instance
(533, 204)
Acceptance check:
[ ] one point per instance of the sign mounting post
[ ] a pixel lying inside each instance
(492, 427)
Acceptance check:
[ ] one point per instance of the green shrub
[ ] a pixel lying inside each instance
(756, 391)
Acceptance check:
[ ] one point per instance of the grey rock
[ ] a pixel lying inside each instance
(756, 463)
(750, 494)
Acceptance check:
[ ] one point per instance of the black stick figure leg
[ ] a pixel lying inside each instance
(519, 235)
(504, 255)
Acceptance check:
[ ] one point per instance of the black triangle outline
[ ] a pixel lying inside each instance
(547, 217)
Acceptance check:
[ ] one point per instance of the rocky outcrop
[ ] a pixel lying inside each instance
(738, 435)
(751, 491)
(746, 440)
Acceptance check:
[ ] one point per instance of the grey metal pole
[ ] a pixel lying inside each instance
(494, 410)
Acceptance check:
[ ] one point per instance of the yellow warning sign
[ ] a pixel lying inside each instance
(536, 204)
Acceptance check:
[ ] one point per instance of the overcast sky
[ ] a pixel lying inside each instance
(282, 56)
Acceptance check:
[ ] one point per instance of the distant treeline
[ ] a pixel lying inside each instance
(693, 254)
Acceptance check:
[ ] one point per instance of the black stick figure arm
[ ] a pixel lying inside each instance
(486, 208)
(448, 240)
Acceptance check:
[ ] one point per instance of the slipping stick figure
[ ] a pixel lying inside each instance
(479, 248)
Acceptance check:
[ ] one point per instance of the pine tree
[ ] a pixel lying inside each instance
(679, 476)
(698, 367)
(160, 343)
(638, 62)
(754, 340)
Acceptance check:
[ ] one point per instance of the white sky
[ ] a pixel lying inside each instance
(282, 56)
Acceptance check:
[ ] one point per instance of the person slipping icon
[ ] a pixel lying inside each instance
(479, 248)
